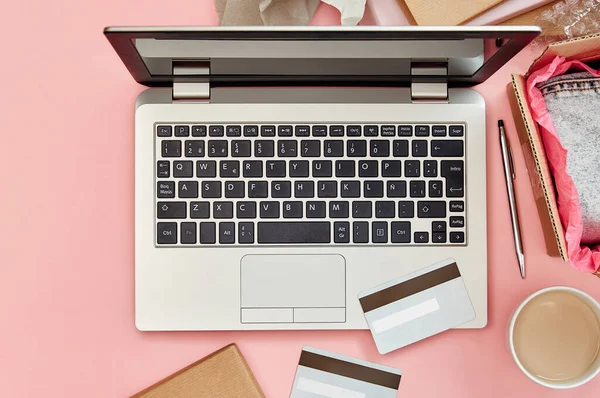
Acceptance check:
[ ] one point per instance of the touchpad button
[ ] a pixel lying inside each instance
(293, 288)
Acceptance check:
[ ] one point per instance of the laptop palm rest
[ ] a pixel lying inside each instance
(293, 288)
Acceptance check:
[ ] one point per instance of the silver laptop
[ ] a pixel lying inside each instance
(280, 171)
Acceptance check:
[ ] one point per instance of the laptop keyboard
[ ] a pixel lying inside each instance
(310, 184)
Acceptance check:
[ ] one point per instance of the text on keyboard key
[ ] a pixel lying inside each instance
(400, 232)
(453, 172)
(166, 233)
(171, 210)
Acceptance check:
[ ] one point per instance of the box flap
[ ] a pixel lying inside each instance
(222, 374)
(585, 49)
(538, 169)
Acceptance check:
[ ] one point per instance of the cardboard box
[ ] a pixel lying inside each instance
(585, 49)
(222, 374)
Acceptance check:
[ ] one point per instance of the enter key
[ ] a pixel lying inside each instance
(454, 173)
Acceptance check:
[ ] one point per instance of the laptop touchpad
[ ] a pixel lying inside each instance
(293, 288)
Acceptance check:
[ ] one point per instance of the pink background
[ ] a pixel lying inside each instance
(66, 230)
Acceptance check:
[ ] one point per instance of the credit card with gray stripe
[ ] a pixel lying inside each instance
(416, 306)
(326, 374)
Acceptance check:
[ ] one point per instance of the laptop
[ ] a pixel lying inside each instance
(280, 171)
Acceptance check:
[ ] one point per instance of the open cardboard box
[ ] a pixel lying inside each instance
(585, 49)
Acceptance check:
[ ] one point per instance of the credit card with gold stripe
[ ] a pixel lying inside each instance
(416, 306)
(326, 374)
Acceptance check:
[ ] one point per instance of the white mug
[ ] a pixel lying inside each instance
(571, 383)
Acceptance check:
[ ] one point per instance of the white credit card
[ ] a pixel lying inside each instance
(326, 374)
(416, 306)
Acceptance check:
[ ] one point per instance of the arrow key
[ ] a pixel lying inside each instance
(421, 237)
(439, 237)
(438, 226)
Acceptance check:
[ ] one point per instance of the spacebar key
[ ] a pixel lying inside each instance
(294, 232)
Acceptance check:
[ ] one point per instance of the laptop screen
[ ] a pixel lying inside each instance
(315, 55)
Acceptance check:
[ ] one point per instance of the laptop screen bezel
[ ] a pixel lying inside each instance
(514, 39)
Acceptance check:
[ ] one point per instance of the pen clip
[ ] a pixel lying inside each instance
(510, 163)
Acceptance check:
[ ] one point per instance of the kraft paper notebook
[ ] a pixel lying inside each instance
(447, 12)
(222, 374)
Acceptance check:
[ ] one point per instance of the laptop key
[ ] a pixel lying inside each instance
(334, 148)
(431, 209)
(345, 168)
(166, 233)
(310, 148)
(406, 209)
(165, 189)
(360, 232)
(412, 168)
(457, 222)
(258, 189)
(188, 233)
(438, 131)
(430, 168)
(350, 189)
(368, 168)
(245, 210)
(183, 169)
(336, 131)
(302, 131)
(356, 148)
(240, 148)
(400, 148)
(216, 131)
(453, 172)
(400, 232)
(304, 189)
(171, 149)
(388, 131)
(199, 209)
(396, 189)
(217, 149)
(226, 233)
(339, 209)
(163, 169)
(321, 168)
(422, 131)
(354, 131)
(447, 148)
(275, 168)
(194, 148)
(371, 131)
(327, 189)
(379, 232)
(234, 131)
(438, 226)
(419, 148)
(457, 206)
(456, 131)
(417, 189)
(391, 168)
(264, 148)
(267, 131)
(188, 189)
(211, 189)
(269, 209)
(457, 237)
(253, 168)
(385, 209)
(319, 131)
(298, 168)
(435, 189)
(284, 131)
(341, 232)
(281, 189)
(246, 232)
(198, 131)
(207, 232)
(380, 148)
(438, 237)
(316, 209)
(250, 131)
(164, 131)
(171, 210)
(421, 237)
(373, 189)
(229, 168)
(234, 189)
(222, 209)
(292, 209)
(294, 232)
(362, 209)
(287, 148)
(405, 131)
(182, 131)
(206, 168)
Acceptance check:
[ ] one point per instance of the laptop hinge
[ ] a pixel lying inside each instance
(190, 84)
(426, 89)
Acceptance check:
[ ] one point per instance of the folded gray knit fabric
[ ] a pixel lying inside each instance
(573, 101)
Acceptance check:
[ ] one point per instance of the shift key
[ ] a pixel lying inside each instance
(171, 210)
(453, 171)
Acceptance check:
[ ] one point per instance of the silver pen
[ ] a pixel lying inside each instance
(509, 174)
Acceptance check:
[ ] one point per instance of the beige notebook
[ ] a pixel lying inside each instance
(222, 374)
(447, 12)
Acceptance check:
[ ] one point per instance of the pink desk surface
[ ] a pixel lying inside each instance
(66, 230)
